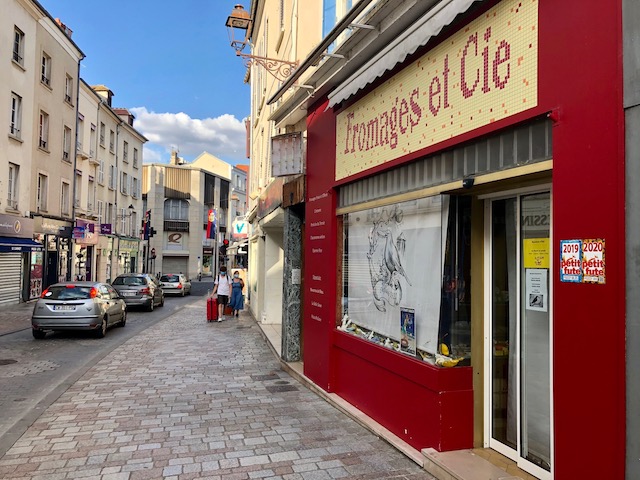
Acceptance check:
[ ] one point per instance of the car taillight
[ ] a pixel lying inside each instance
(43, 294)
(145, 291)
(93, 293)
(70, 286)
(179, 285)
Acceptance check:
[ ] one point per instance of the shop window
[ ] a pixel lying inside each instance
(406, 278)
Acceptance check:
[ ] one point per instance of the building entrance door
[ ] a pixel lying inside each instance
(518, 410)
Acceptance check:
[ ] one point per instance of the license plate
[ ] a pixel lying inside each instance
(128, 294)
(63, 307)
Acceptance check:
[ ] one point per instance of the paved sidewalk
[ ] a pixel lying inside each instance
(190, 399)
(14, 318)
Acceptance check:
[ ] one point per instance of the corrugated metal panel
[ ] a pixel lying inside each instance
(515, 147)
(10, 272)
(177, 182)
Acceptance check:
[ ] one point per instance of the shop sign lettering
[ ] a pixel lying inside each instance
(485, 72)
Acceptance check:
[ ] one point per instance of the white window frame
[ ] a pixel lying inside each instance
(15, 123)
(66, 144)
(101, 172)
(12, 186)
(91, 194)
(68, 90)
(42, 192)
(65, 193)
(103, 131)
(100, 204)
(18, 46)
(92, 141)
(124, 183)
(125, 152)
(135, 158)
(78, 188)
(112, 141)
(45, 70)
(43, 130)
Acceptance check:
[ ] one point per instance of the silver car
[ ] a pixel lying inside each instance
(139, 289)
(78, 306)
(176, 283)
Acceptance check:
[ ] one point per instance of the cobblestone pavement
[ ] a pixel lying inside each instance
(190, 399)
(14, 318)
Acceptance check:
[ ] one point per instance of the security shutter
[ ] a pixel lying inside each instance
(10, 272)
(175, 265)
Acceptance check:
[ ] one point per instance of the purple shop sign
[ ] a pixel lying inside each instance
(105, 228)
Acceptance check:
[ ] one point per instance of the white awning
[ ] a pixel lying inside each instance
(425, 28)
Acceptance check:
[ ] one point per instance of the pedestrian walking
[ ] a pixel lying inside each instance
(237, 298)
(222, 288)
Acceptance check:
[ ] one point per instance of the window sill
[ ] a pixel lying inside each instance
(42, 149)
(15, 138)
(12, 210)
(47, 86)
(18, 65)
(69, 104)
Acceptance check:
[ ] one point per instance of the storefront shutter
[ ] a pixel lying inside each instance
(10, 269)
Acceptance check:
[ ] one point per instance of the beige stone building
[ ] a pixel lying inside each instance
(38, 92)
(107, 196)
(178, 197)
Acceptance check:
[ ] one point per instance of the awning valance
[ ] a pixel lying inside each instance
(425, 28)
(17, 244)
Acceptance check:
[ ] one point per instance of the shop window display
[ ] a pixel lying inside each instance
(406, 278)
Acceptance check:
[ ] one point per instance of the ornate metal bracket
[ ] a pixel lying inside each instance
(279, 69)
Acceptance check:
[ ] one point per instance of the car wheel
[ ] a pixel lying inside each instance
(38, 334)
(123, 322)
(151, 305)
(102, 329)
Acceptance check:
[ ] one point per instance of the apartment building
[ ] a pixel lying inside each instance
(39, 93)
(108, 185)
(285, 31)
(177, 200)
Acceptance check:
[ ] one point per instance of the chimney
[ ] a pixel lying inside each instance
(175, 159)
(68, 32)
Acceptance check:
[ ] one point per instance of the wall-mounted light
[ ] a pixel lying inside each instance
(240, 21)
(130, 209)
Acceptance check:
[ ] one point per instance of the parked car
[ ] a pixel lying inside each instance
(175, 283)
(139, 290)
(78, 306)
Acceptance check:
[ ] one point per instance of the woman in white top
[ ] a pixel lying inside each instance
(222, 287)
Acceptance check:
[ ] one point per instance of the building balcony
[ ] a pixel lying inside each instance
(176, 225)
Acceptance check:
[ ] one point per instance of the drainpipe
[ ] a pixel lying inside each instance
(115, 203)
(75, 165)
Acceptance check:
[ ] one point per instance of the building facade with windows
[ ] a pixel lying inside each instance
(38, 89)
(108, 188)
(448, 276)
(177, 200)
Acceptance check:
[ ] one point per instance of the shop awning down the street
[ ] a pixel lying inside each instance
(15, 244)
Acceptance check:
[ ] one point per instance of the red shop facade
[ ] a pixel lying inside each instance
(465, 241)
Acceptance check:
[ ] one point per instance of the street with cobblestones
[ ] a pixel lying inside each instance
(189, 399)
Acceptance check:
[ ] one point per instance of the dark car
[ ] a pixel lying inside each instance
(140, 290)
(78, 306)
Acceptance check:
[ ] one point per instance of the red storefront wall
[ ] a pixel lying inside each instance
(580, 86)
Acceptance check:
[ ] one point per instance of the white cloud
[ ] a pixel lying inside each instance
(223, 136)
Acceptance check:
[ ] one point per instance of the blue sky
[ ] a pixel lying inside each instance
(170, 63)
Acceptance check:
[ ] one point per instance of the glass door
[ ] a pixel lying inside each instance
(519, 324)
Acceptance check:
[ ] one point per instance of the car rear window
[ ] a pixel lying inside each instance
(170, 278)
(68, 293)
(129, 281)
